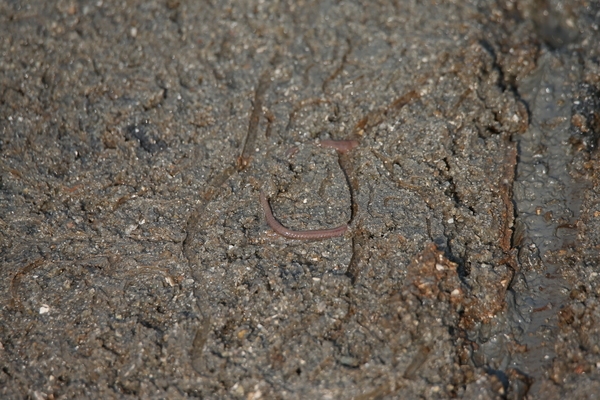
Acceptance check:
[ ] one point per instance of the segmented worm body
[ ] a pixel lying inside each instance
(317, 234)
(342, 146)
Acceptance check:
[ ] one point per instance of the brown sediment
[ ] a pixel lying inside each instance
(360, 254)
(505, 189)
(378, 116)
(291, 152)
(317, 234)
(509, 224)
(16, 282)
(339, 69)
(301, 105)
(248, 148)
(417, 362)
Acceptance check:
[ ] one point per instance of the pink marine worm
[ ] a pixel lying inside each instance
(317, 234)
(342, 146)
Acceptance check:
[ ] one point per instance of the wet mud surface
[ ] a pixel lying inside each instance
(136, 139)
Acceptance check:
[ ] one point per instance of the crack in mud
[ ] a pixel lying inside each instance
(544, 196)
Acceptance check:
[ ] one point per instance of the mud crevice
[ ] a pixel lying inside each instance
(543, 194)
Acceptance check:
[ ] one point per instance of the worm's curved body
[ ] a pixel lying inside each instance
(317, 234)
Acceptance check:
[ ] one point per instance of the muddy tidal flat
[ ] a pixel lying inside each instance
(299, 199)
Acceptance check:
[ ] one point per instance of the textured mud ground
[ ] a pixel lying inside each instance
(136, 136)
